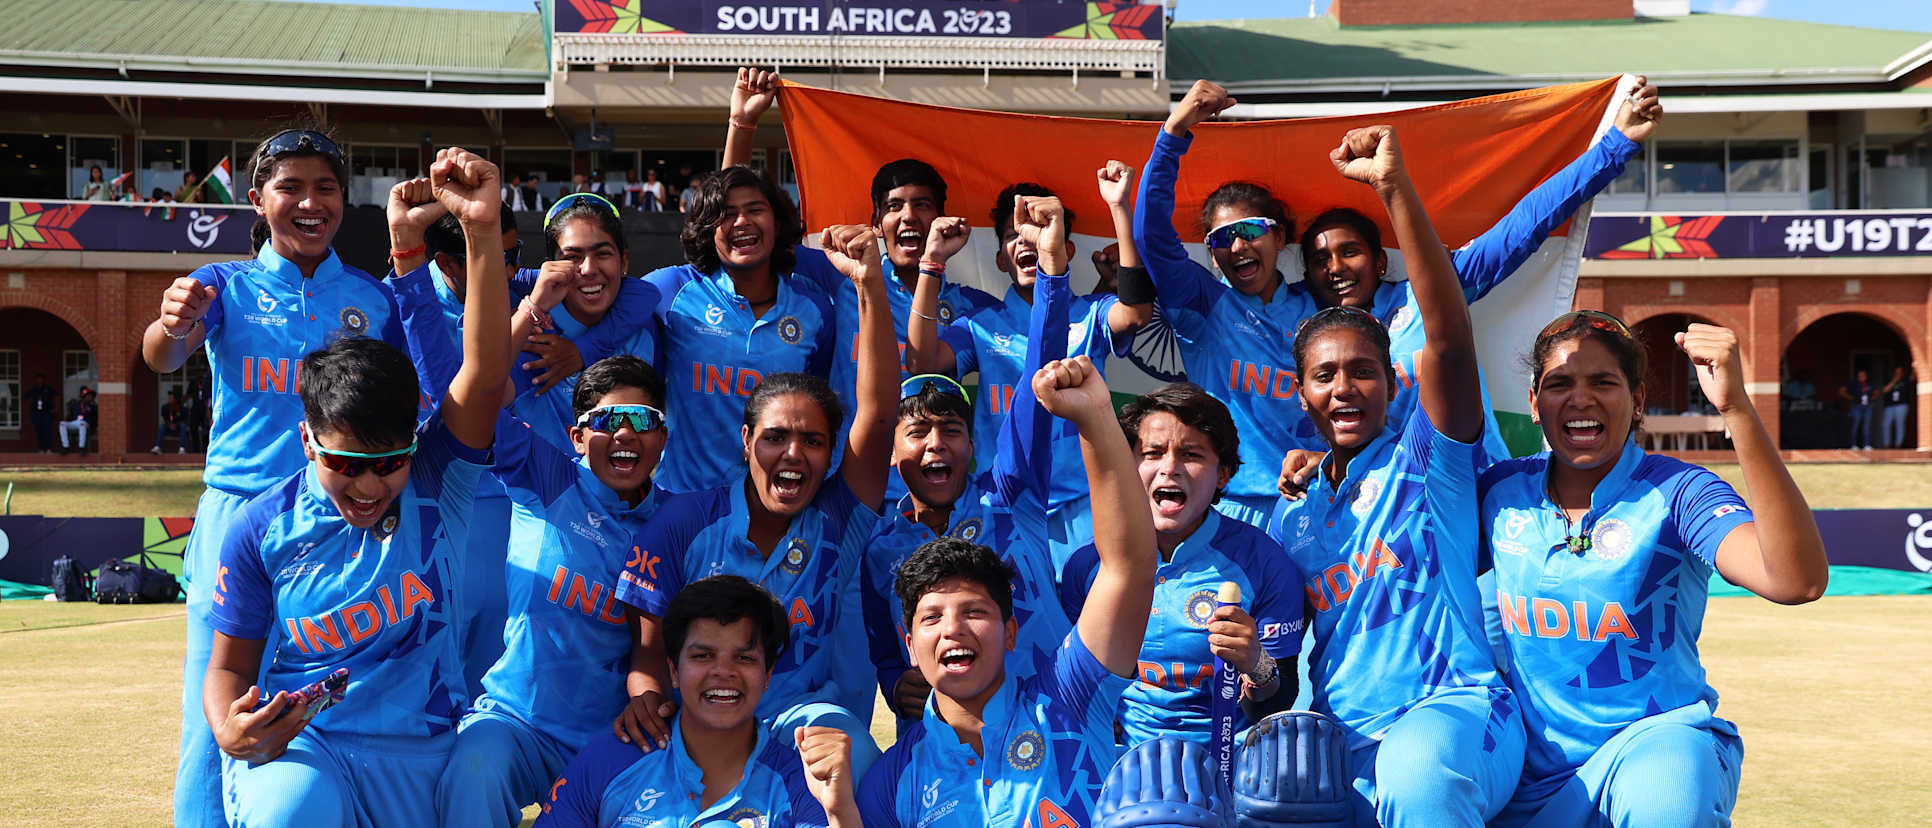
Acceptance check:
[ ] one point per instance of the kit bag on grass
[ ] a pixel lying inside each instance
(127, 581)
(71, 581)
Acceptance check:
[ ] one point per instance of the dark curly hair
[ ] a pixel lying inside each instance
(611, 373)
(1191, 405)
(714, 191)
(941, 559)
(727, 599)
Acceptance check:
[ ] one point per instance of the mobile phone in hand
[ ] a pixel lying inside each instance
(320, 696)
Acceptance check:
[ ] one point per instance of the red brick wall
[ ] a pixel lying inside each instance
(1411, 12)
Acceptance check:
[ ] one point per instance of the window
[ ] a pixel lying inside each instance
(380, 161)
(33, 165)
(1690, 168)
(1762, 166)
(178, 380)
(76, 372)
(1631, 181)
(164, 162)
(83, 155)
(9, 390)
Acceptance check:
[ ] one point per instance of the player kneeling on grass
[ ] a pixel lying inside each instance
(990, 746)
(1603, 557)
(723, 765)
(349, 564)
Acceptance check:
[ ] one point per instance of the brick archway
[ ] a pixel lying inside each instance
(80, 322)
(1898, 323)
(1821, 345)
(37, 331)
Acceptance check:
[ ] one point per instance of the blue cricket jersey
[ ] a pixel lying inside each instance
(629, 327)
(715, 352)
(1484, 263)
(324, 595)
(264, 319)
(1049, 742)
(566, 646)
(1176, 671)
(1605, 637)
(1235, 346)
(612, 784)
(992, 341)
(810, 571)
(1387, 557)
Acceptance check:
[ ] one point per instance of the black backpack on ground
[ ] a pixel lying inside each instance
(71, 581)
(125, 581)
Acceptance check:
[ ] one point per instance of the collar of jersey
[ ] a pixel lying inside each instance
(967, 507)
(738, 522)
(1370, 459)
(1202, 539)
(329, 269)
(443, 290)
(997, 717)
(1609, 490)
(608, 498)
(721, 281)
(691, 778)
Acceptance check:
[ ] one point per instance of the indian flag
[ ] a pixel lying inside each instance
(219, 185)
(1472, 161)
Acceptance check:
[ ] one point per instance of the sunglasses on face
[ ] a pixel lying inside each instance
(577, 198)
(610, 418)
(1247, 229)
(916, 385)
(1334, 310)
(295, 140)
(354, 463)
(1591, 318)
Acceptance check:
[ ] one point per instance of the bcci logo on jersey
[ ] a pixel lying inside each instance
(1366, 496)
(795, 557)
(1027, 751)
(1611, 539)
(355, 321)
(945, 313)
(790, 330)
(1200, 608)
(746, 818)
(968, 530)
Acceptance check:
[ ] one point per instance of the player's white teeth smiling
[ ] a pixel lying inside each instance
(310, 226)
(1583, 431)
(1245, 265)
(1347, 416)
(591, 289)
(957, 659)
(744, 239)
(911, 238)
(788, 483)
(723, 696)
(1027, 260)
(1343, 285)
(938, 471)
(623, 460)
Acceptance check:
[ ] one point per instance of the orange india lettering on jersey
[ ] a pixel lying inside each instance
(1550, 618)
(1331, 588)
(337, 629)
(1262, 380)
(727, 380)
(584, 595)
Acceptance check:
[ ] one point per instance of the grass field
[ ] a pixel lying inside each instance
(1830, 698)
(172, 493)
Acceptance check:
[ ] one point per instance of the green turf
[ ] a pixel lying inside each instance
(1854, 485)
(104, 492)
(1829, 698)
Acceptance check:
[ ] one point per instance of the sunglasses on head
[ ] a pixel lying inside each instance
(577, 198)
(354, 463)
(1247, 229)
(1331, 311)
(295, 140)
(1590, 318)
(610, 418)
(916, 385)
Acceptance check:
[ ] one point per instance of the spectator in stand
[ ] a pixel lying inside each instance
(513, 193)
(1860, 393)
(531, 199)
(43, 403)
(688, 200)
(1896, 396)
(82, 415)
(174, 420)
(198, 413)
(190, 190)
(601, 187)
(579, 183)
(654, 199)
(96, 188)
(128, 192)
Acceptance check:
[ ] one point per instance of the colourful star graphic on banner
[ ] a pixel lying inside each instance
(618, 17)
(28, 226)
(1117, 21)
(1671, 237)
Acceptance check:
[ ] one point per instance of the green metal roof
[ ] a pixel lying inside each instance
(234, 35)
(1311, 50)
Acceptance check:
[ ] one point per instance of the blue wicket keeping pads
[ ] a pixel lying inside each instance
(1163, 783)
(1292, 770)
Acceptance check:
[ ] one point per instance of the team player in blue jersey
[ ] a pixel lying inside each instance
(992, 749)
(1603, 556)
(1003, 507)
(1433, 735)
(352, 563)
(733, 316)
(990, 340)
(257, 318)
(723, 766)
(1188, 449)
(783, 523)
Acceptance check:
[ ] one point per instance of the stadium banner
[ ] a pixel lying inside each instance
(30, 543)
(127, 226)
(1471, 160)
(1761, 235)
(916, 18)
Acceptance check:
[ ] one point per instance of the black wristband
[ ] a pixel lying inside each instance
(1134, 286)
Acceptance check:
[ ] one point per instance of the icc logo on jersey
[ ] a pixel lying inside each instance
(713, 314)
(265, 302)
(1027, 750)
(1918, 541)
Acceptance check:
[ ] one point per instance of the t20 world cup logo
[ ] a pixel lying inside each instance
(1918, 541)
